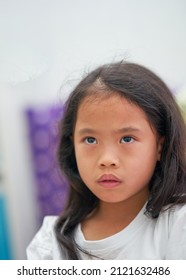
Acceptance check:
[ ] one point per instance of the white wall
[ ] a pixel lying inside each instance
(48, 43)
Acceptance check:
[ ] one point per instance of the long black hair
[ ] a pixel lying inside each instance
(145, 89)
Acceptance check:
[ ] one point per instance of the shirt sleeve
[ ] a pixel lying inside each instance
(40, 247)
(176, 249)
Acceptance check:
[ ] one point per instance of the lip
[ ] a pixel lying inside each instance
(109, 181)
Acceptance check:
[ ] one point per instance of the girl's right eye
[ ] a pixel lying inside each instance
(90, 140)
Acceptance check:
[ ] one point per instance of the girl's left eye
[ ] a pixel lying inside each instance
(127, 139)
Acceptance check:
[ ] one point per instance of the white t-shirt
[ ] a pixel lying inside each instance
(144, 238)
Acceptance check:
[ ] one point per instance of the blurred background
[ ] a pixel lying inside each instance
(46, 46)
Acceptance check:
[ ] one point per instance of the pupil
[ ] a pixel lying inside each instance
(127, 139)
(91, 140)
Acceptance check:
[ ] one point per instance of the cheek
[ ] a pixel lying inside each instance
(143, 162)
(146, 166)
(85, 172)
(83, 159)
(87, 165)
(85, 153)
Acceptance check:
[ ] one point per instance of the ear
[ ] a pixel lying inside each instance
(160, 147)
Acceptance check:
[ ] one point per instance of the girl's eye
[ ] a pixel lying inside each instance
(90, 140)
(127, 139)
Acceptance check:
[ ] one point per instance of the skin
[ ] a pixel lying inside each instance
(114, 136)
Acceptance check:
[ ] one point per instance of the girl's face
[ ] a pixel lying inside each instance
(116, 149)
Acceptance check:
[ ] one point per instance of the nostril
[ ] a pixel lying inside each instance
(108, 164)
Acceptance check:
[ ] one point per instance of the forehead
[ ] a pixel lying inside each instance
(109, 110)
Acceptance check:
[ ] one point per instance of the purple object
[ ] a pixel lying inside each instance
(43, 137)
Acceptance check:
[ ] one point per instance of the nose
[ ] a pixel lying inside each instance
(108, 159)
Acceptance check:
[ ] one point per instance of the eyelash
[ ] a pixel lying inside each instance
(94, 139)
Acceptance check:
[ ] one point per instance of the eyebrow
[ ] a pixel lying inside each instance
(121, 130)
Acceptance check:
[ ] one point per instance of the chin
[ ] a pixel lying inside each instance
(112, 199)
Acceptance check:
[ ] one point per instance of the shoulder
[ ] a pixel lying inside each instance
(170, 216)
(47, 227)
(43, 243)
(49, 222)
(175, 218)
(174, 213)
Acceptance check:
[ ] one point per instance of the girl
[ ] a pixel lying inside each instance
(123, 151)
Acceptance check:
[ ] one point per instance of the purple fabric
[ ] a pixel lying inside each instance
(43, 138)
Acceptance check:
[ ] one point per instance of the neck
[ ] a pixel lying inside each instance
(121, 210)
(110, 218)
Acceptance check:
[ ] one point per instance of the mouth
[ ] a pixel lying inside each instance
(109, 181)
